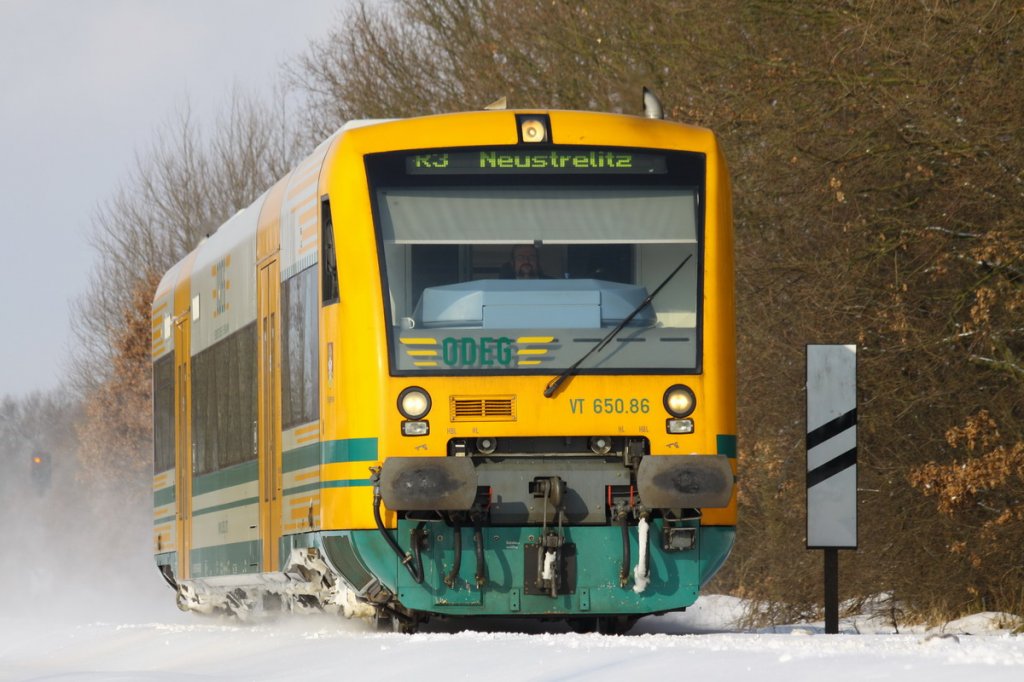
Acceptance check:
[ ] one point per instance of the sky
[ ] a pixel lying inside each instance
(84, 85)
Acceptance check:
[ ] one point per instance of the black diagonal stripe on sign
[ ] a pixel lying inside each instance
(831, 428)
(831, 467)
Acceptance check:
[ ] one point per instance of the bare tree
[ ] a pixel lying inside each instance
(180, 190)
(40, 424)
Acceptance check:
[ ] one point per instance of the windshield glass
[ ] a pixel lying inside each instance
(525, 266)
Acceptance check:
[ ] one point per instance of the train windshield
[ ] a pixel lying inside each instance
(524, 264)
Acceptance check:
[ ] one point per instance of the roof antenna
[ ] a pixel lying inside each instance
(652, 105)
(497, 104)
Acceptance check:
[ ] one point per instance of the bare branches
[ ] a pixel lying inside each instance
(180, 190)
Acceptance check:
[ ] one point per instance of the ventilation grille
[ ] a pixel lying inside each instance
(483, 408)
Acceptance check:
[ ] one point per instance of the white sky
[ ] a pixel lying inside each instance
(83, 86)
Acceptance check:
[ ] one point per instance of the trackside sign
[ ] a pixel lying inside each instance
(831, 446)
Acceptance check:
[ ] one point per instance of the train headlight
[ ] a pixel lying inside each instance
(415, 428)
(414, 403)
(533, 130)
(679, 426)
(680, 401)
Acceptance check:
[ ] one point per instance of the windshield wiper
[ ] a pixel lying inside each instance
(560, 379)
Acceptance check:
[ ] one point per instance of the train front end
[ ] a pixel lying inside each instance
(550, 379)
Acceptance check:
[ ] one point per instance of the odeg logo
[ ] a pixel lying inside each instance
(483, 352)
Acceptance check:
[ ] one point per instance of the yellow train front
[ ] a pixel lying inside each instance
(478, 364)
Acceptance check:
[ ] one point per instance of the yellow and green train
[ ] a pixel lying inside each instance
(470, 364)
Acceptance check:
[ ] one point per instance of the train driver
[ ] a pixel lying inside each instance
(525, 264)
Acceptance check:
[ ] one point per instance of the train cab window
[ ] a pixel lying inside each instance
(608, 262)
(435, 265)
(602, 243)
(438, 265)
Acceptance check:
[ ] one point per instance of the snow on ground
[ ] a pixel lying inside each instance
(83, 601)
(700, 644)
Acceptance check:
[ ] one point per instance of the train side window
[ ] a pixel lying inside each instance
(300, 368)
(239, 443)
(224, 402)
(163, 413)
(329, 274)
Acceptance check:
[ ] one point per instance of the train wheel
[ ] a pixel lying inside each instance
(403, 626)
(582, 626)
(380, 620)
(615, 625)
(384, 620)
(605, 625)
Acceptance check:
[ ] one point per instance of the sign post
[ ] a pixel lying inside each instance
(831, 462)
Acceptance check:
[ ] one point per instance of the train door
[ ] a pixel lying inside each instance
(183, 443)
(269, 298)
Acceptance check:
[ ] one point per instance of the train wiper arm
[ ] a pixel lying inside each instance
(553, 385)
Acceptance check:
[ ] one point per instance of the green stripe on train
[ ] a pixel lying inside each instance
(225, 506)
(304, 488)
(301, 458)
(329, 452)
(335, 483)
(350, 450)
(246, 472)
(163, 497)
(349, 483)
(228, 559)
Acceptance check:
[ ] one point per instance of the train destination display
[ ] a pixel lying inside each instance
(497, 161)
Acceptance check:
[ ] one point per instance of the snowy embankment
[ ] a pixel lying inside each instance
(700, 644)
(71, 612)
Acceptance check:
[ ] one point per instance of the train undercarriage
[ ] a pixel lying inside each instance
(568, 539)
